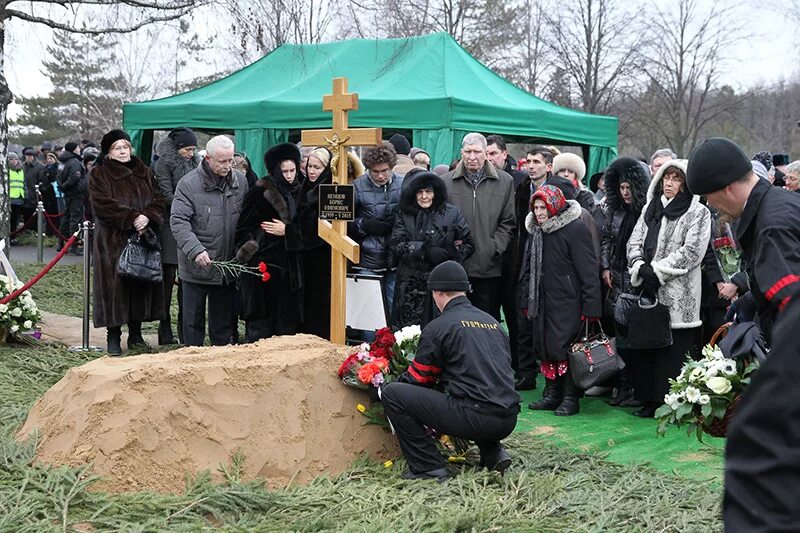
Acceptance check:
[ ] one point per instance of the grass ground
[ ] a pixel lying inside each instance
(552, 486)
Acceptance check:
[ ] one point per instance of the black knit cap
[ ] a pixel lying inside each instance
(182, 137)
(714, 164)
(111, 137)
(448, 276)
(400, 143)
(70, 146)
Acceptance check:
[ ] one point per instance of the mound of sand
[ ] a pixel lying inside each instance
(146, 421)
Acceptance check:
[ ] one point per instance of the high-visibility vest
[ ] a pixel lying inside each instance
(16, 184)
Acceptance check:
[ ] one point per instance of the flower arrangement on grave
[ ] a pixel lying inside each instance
(381, 361)
(19, 315)
(704, 395)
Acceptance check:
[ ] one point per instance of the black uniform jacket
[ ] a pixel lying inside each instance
(467, 352)
(769, 233)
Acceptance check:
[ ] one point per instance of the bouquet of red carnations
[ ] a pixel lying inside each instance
(382, 361)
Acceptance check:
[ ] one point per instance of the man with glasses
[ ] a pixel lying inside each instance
(377, 200)
(205, 211)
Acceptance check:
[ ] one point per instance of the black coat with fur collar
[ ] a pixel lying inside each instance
(283, 292)
(570, 286)
(118, 194)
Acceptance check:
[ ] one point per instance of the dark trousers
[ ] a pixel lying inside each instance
(509, 305)
(410, 408)
(220, 301)
(486, 295)
(170, 273)
(16, 217)
(73, 215)
(527, 365)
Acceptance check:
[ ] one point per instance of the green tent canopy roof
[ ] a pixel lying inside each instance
(418, 83)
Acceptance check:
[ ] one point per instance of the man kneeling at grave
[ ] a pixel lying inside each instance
(466, 353)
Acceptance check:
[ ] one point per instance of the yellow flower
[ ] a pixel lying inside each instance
(456, 459)
(361, 408)
(388, 464)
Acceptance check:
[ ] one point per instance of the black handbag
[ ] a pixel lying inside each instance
(649, 324)
(625, 301)
(593, 359)
(141, 258)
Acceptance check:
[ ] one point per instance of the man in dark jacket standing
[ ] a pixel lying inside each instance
(466, 351)
(762, 467)
(485, 196)
(205, 211)
(33, 171)
(69, 181)
(377, 201)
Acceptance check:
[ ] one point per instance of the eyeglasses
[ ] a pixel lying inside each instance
(673, 179)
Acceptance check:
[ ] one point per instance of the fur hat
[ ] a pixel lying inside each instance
(110, 138)
(279, 153)
(400, 143)
(765, 158)
(571, 162)
(182, 137)
(417, 179)
(631, 171)
(779, 160)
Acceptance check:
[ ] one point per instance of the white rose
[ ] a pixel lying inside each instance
(16, 312)
(3, 308)
(14, 328)
(704, 399)
(692, 394)
(27, 324)
(719, 385)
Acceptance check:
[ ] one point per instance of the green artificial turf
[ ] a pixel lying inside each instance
(625, 439)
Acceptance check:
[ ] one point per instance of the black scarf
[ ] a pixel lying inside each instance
(656, 212)
(624, 234)
(289, 192)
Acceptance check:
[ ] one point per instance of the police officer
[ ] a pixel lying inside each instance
(467, 353)
(762, 467)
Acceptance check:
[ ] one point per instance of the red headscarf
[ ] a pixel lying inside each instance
(552, 197)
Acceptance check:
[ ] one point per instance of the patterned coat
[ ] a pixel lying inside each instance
(682, 243)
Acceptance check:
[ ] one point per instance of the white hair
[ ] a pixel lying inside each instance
(220, 142)
(794, 166)
(663, 152)
(474, 138)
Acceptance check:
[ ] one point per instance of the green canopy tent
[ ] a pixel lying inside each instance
(429, 85)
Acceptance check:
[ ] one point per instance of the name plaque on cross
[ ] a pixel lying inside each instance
(337, 202)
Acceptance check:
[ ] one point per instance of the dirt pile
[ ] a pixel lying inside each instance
(146, 421)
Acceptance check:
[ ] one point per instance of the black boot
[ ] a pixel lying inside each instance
(551, 396)
(165, 335)
(570, 404)
(498, 461)
(114, 339)
(526, 383)
(135, 339)
(648, 410)
(624, 388)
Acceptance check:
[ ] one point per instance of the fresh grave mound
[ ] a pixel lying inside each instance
(146, 421)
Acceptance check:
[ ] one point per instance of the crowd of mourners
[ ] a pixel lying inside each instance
(545, 246)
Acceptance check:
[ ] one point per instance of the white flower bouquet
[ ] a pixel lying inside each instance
(705, 393)
(19, 315)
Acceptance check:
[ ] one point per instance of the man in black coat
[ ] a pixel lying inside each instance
(69, 181)
(762, 469)
(466, 352)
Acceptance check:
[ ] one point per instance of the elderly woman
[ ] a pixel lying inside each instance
(272, 307)
(315, 254)
(627, 181)
(427, 231)
(124, 201)
(572, 167)
(564, 290)
(665, 253)
(176, 158)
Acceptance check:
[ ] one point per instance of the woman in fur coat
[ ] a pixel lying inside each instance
(427, 231)
(124, 201)
(665, 252)
(564, 288)
(627, 181)
(176, 158)
(271, 307)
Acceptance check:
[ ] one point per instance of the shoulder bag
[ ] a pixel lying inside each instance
(141, 258)
(593, 359)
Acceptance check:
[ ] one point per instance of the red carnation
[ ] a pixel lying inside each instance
(352, 358)
(384, 338)
(262, 267)
(265, 276)
(381, 352)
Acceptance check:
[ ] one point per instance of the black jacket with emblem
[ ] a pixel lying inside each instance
(417, 238)
(569, 286)
(466, 352)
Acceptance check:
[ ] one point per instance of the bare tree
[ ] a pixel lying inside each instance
(682, 61)
(595, 43)
(76, 16)
(531, 59)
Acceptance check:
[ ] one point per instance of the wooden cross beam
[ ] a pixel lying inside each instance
(337, 139)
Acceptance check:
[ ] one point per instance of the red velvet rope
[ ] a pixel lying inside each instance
(55, 229)
(44, 271)
(24, 226)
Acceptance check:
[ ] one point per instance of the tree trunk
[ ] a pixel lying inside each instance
(5, 100)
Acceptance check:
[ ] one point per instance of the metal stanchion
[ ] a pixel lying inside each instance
(87, 265)
(39, 228)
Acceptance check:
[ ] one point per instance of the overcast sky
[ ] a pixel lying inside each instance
(762, 59)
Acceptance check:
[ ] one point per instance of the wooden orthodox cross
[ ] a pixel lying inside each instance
(337, 139)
